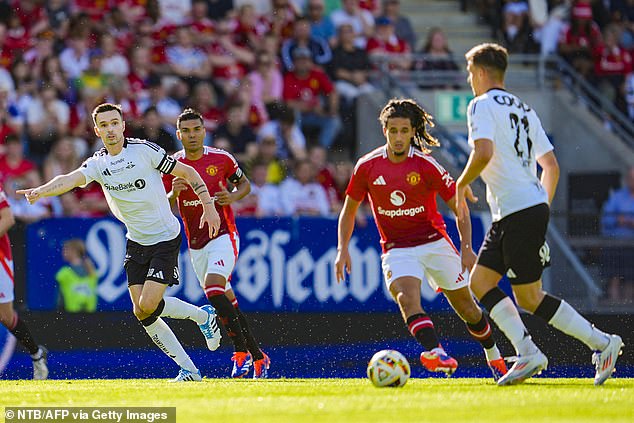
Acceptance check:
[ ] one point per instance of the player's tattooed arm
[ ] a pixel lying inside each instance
(56, 186)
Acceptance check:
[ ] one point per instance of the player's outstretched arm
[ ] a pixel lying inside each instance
(56, 186)
(344, 233)
(210, 215)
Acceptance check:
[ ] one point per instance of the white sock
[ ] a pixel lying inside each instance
(165, 339)
(38, 354)
(492, 353)
(508, 319)
(569, 321)
(179, 309)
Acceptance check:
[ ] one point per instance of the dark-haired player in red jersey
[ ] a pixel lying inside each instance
(402, 180)
(214, 259)
(8, 316)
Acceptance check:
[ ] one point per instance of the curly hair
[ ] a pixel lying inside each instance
(419, 118)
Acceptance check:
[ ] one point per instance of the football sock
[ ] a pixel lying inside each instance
(505, 315)
(178, 309)
(422, 328)
(562, 316)
(252, 344)
(228, 316)
(165, 339)
(481, 332)
(22, 333)
(38, 354)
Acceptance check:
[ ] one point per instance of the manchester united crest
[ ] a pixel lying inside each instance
(212, 170)
(413, 178)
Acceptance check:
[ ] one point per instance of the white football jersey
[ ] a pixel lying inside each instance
(132, 184)
(518, 139)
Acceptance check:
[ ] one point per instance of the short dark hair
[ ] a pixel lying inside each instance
(188, 114)
(491, 56)
(105, 107)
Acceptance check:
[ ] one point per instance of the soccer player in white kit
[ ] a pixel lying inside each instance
(129, 172)
(402, 180)
(508, 141)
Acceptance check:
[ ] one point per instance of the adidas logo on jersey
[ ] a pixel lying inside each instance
(511, 274)
(379, 181)
(220, 263)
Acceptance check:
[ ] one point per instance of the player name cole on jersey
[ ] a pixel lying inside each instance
(403, 196)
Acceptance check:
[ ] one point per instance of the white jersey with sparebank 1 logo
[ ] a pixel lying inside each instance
(132, 184)
(519, 139)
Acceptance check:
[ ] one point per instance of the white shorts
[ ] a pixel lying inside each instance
(6, 281)
(218, 257)
(438, 261)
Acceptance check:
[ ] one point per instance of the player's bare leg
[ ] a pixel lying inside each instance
(146, 299)
(559, 314)
(10, 319)
(478, 327)
(406, 292)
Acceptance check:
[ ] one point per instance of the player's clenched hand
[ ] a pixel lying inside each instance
(31, 194)
(343, 264)
(211, 218)
(178, 185)
(223, 197)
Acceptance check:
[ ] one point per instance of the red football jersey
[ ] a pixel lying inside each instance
(307, 89)
(214, 166)
(403, 196)
(5, 245)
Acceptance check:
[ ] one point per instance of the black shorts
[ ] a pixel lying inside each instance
(158, 262)
(516, 245)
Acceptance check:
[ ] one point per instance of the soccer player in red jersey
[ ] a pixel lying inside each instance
(8, 316)
(214, 258)
(401, 181)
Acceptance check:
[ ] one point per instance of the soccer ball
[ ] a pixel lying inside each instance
(388, 368)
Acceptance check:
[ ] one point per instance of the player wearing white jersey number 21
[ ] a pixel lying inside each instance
(402, 181)
(129, 172)
(508, 142)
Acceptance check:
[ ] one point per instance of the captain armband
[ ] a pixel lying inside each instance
(235, 178)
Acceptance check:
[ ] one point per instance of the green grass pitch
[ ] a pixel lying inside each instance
(342, 400)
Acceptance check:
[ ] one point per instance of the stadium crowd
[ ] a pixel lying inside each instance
(595, 36)
(276, 82)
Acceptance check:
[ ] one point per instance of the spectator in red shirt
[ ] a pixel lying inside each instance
(15, 166)
(580, 39)
(311, 94)
(386, 46)
(201, 26)
(229, 61)
(611, 64)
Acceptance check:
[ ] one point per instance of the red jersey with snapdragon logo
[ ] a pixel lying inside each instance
(403, 196)
(214, 166)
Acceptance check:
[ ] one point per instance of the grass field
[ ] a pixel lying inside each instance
(342, 400)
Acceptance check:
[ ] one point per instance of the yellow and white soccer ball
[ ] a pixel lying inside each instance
(388, 368)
